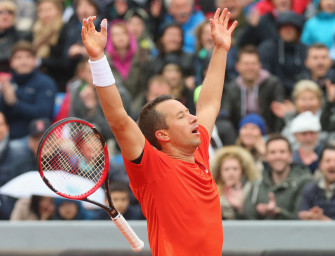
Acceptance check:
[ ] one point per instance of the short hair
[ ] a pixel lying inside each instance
(119, 186)
(158, 79)
(23, 46)
(151, 120)
(248, 49)
(306, 85)
(317, 46)
(275, 137)
(326, 147)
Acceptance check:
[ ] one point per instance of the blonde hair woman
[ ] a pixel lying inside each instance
(234, 170)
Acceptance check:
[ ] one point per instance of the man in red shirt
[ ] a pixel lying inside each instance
(166, 154)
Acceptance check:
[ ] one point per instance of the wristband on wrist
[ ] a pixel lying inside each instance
(101, 72)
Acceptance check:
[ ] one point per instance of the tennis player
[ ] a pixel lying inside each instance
(166, 154)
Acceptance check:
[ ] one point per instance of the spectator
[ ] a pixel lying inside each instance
(138, 22)
(10, 159)
(236, 9)
(284, 56)
(306, 128)
(46, 32)
(127, 65)
(179, 89)
(34, 208)
(37, 128)
(278, 194)
(319, 65)
(70, 43)
(234, 170)
(252, 91)
(203, 51)
(28, 95)
(169, 46)
(66, 209)
(8, 33)
(306, 96)
(183, 13)
(327, 117)
(251, 132)
(320, 28)
(157, 86)
(263, 27)
(120, 195)
(318, 198)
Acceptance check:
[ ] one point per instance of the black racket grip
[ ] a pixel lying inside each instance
(135, 242)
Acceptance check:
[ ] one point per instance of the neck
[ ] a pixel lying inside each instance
(178, 154)
(122, 52)
(279, 177)
(249, 83)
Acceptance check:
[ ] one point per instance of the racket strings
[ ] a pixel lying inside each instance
(73, 150)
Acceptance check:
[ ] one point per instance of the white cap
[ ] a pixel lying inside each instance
(305, 122)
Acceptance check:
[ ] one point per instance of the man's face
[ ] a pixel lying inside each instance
(318, 62)
(327, 165)
(181, 10)
(278, 155)
(288, 33)
(249, 66)
(156, 89)
(4, 128)
(120, 200)
(308, 140)
(282, 5)
(7, 18)
(182, 130)
(23, 62)
(233, 6)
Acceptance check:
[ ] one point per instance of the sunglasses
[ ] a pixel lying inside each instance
(6, 12)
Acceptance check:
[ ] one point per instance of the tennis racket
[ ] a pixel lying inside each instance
(73, 162)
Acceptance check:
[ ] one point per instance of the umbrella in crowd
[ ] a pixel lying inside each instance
(30, 183)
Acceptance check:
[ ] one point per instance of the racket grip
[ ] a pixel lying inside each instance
(134, 241)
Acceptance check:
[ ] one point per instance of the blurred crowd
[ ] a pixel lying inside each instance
(272, 151)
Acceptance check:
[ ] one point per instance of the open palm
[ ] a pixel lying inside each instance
(219, 29)
(94, 41)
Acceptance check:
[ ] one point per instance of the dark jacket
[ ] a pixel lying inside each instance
(284, 60)
(313, 195)
(269, 90)
(35, 94)
(7, 39)
(287, 194)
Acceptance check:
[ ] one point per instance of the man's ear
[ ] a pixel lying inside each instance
(162, 135)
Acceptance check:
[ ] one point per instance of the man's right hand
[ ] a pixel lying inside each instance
(94, 42)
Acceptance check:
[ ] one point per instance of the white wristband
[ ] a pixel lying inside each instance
(101, 72)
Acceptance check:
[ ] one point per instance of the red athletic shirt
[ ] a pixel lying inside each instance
(180, 201)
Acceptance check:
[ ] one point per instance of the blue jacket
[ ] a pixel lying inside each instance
(189, 28)
(319, 29)
(35, 94)
(312, 196)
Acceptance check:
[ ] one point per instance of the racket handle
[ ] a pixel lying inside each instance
(134, 241)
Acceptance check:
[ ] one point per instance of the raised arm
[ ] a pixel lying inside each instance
(127, 133)
(209, 102)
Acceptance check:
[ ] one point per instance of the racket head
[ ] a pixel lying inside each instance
(72, 158)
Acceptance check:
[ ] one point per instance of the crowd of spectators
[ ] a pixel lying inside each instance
(272, 150)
